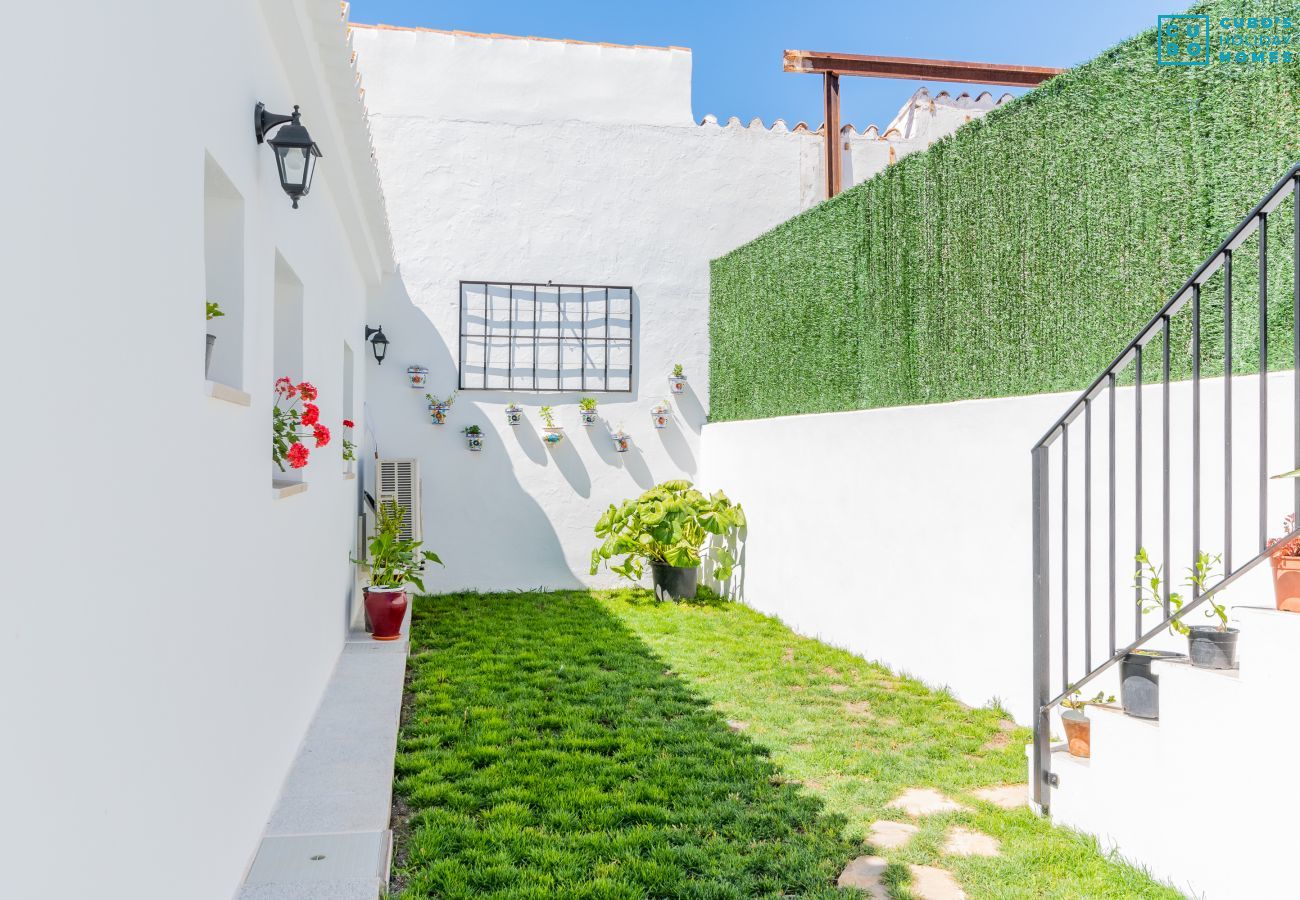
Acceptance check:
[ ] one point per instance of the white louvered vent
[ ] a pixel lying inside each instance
(399, 479)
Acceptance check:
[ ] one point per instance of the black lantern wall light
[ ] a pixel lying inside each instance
(378, 343)
(295, 152)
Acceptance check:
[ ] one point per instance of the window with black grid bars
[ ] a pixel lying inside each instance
(521, 336)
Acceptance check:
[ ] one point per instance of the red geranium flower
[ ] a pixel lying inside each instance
(307, 390)
(347, 423)
(310, 413)
(322, 435)
(285, 386)
(297, 456)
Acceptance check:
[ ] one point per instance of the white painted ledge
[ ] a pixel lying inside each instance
(218, 391)
(282, 489)
(328, 837)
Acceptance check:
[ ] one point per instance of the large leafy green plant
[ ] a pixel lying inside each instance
(670, 523)
(394, 562)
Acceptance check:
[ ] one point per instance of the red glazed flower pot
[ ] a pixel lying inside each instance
(386, 608)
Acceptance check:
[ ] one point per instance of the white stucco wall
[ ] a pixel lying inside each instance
(570, 190)
(169, 626)
(904, 534)
(528, 160)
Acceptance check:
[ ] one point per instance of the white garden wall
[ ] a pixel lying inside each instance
(531, 160)
(903, 534)
(170, 625)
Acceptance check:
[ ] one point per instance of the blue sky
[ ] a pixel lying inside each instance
(737, 44)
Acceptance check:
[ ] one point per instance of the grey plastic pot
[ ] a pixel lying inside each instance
(207, 362)
(1139, 687)
(1210, 648)
(674, 582)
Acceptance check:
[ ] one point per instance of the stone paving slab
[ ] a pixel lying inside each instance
(1007, 796)
(891, 835)
(964, 842)
(864, 873)
(924, 802)
(930, 883)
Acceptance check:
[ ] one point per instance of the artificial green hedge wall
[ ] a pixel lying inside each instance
(1020, 254)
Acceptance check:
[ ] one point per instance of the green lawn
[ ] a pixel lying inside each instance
(578, 744)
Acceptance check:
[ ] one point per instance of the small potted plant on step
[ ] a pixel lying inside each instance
(1078, 727)
(438, 407)
(1286, 568)
(660, 414)
(587, 409)
(214, 312)
(1209, 646)
(394, 564)
(677, 380)
(622, 440)
(552, 433)
(473, 437)
(667, 527)
(514, 414)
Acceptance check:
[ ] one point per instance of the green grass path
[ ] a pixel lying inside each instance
(576, 744)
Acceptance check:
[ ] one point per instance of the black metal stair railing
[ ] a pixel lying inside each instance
(1055, 587)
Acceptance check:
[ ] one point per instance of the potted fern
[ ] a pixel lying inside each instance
(1078, 727)
(213, 312)
(587, 409)
(667, 528)
(552, 433)
(394, 564)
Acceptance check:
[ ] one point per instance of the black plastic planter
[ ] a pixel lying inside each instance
(1211, 648)
(1139, 687)
(674, 582)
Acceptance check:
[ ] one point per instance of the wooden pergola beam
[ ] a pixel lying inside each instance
(832, 65)
(817, 63)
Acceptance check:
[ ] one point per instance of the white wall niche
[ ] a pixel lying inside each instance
(223, 272)
(288, 351)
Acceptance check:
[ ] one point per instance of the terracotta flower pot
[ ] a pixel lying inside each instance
(1286, 582)
(386, 608)
(1078, 733)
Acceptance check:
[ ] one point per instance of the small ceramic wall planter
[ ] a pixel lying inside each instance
(207, 360)
(589, 416)
(418, 376)
(473, 438)
(660, 415)
(514, 414)
(677, 383)
(438, 407)
(621, 440)
(553, 434)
